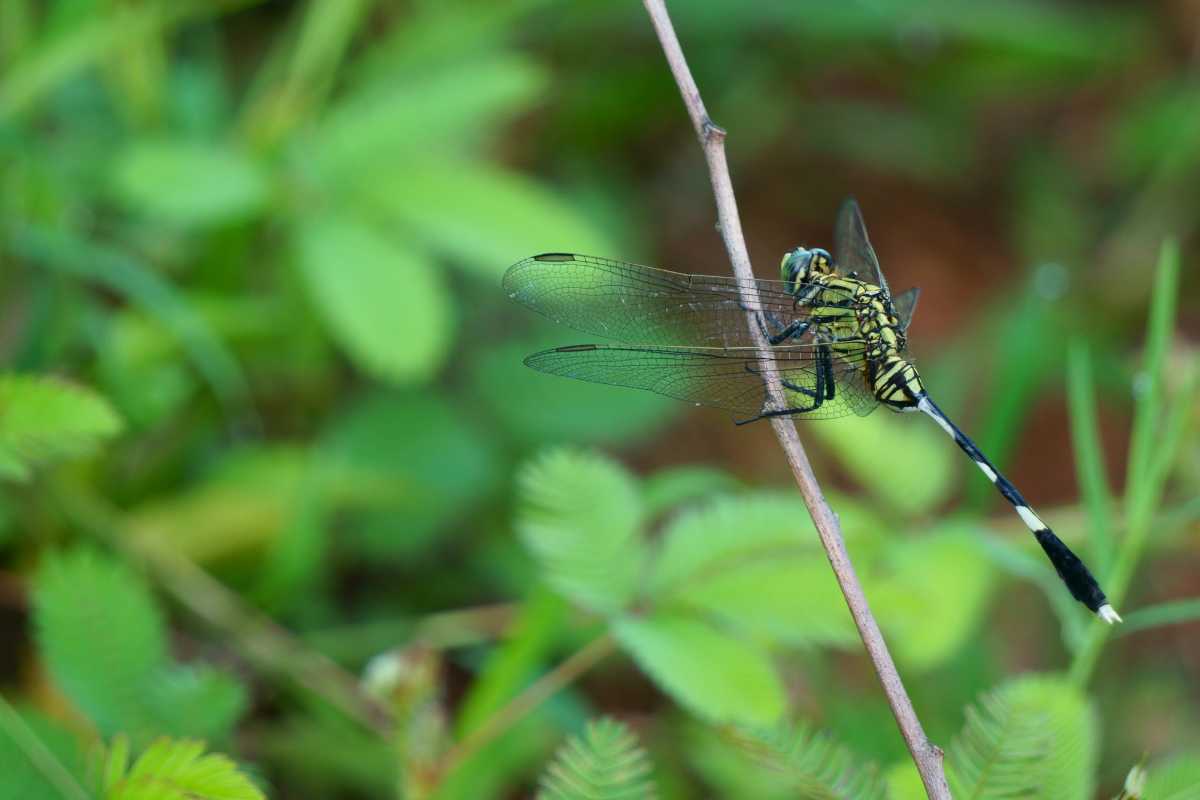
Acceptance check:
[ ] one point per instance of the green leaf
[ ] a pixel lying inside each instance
(537, 408)
(713, 674)
(675, 486)
(140, 368)
(1175, 779)
(44, 420)
(919, 467)
(179, 770)
(101, 635)
(1035, 736)
(190, 184)
(406, 120)
(929, 594)
(419, 463)
(580, 517)
(103, 639)
(242, 507)
(785, 761)
(39, 759)
(116, 762)
(605, 762)
(485, 217)
(197, 701)
(756, 563)
(385, 304)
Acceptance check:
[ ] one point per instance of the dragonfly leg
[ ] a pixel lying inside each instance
(793, 330)
(826, 366)
(824, 386)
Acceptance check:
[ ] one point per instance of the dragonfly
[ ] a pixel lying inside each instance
(827, 340)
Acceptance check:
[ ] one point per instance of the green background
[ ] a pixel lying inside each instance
(263, 416)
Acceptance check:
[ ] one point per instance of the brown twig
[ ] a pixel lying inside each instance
(926, 755)
(533, 696)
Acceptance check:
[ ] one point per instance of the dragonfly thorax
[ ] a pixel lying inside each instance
(890, 375)
(877, 321)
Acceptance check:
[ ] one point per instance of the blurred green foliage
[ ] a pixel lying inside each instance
(264, 425)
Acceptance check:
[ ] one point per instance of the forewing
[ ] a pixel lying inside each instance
(648, 306)
(731, 379)
(904, 305)
(853, 250)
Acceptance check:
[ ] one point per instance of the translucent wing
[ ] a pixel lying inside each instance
(853, 251)
(731, 379)
(904, 305)
(648, 306)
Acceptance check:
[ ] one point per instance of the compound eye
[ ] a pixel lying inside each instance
(795, 265)
(821, 260)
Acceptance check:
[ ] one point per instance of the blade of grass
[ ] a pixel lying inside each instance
(299, 82)
(1143, 486)
(1149, 384)
(43, 761)
(1089, 455)
(1143, 504)
(1173, 613)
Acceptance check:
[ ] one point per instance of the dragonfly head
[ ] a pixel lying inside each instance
(801, 264)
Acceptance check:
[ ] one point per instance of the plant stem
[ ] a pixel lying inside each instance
(1089, 455)
(926, 755)
(533, 696)
(44, 762)
(1153, 444)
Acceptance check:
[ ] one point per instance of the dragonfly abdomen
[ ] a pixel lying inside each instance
(896, 382)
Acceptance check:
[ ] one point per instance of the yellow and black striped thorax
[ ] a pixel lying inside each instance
(873, 322)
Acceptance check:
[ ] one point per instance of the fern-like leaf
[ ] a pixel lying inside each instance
(1032, 738)
(717, 675)
(174, 769)
(749, 561)
(102, 637)
(580, 516)
(1176, 779)
(784, 761)
(605, 763)
(43, 420)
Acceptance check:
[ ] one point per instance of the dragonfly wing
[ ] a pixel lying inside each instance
(731, 379)
(905, 304)
(853, 249)
(648, 306)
